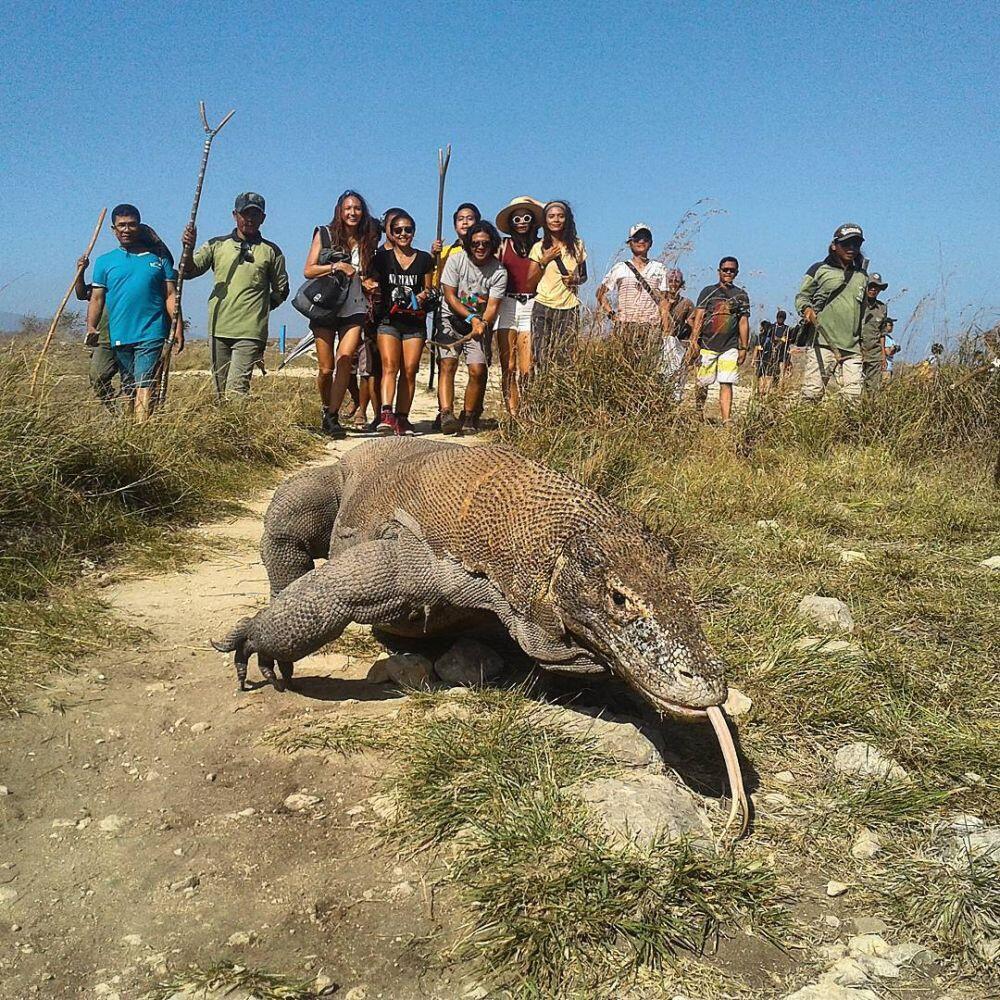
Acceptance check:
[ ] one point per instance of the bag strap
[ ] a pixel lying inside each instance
(642, 281)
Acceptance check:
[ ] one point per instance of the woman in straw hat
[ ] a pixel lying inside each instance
(520, 220)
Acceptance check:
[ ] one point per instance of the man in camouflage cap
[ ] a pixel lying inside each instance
(873, 334)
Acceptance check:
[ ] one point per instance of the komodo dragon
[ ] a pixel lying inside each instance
(421, 528)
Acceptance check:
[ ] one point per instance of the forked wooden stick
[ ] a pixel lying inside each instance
(177, 327)
(62, 305)
(444, 158)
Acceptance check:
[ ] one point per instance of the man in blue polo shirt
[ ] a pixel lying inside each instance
(138, 288)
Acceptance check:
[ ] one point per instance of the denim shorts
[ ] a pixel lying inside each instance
(401, 333)
(137, 364)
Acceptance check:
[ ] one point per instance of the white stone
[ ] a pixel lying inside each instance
(868, 944)
(132, 941)
(875, 965)
(112, 824)
(992, 563)
(4, 790)
(623, 740)
(846, 972)
(357, 993)
(869, 925)
(191, 882)
(785, 777)
(641, 805)
(241, 939)
(866, 845)
(8, 894)
(469, 663)
(852, 556)
(831, 991)
(768, 523)
(737, 703)
(298, 801)
(978, 844)
(386, 807)
(830, 612)
(402, 890)
(831, 921)
(836, 888)
(200, 727)
(862, 760)
(911, 953)
(408, 670)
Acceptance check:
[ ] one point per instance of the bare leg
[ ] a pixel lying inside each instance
(412, 349)
(475, 391)
(325, 363)
(143, 405)
(346, 349)
(523, 352)
(390, 350)
(725, 401)
(446, 384)
(506, 340)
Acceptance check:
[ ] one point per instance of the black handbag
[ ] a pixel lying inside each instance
(319, 299)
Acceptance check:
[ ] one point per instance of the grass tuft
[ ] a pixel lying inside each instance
(225, 978)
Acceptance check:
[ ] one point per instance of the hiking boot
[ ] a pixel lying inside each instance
(372, 427)
(403, 426)
(331, 425)
(449, 425)
(469, 422)
(436, 423)
(387, 424)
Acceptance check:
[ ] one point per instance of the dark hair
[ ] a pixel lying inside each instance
(482, 227)
(367, 235)
(569, 237)
(125, 210)
(400, 213)
(388, 214)
(781, 314)
(471, 207)
(726, 260)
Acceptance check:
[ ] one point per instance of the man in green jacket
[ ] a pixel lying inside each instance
(250, 281)
(873, 335)
(831, 301)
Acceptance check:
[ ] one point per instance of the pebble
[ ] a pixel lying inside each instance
(992, 563)
(191, 882)
(211, 776)
(862, 760)
(200, 727)
(866, 845)
(877, 966)
(737, 703)
(829, 612)
(8, 894)
(408, 670)
(911, 953)
(4, 790)
(768, 523)
(402, 890)
(852, 556)
(785, 777)
(868, 944)
(241, 939)
(831, 921)
(298, 801)
(869, 925)
(836, 888)
(112, 824)
(357, 993)
(132, 940)
(846, 972)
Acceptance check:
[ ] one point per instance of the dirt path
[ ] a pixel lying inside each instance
(144, 828)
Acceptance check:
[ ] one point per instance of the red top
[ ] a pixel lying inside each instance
(517, 270)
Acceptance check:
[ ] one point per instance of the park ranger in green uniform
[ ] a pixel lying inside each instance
(872, 334)
(250, 281)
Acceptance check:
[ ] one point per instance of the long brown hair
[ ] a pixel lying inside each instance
(569, 238)
(367, 231)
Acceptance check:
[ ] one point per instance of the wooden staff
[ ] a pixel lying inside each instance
(444, 158)
(62, 305)
(178, 324)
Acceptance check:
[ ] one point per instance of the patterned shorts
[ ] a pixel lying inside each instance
(715, 367)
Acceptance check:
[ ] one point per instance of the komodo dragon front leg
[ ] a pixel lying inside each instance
(372, 582)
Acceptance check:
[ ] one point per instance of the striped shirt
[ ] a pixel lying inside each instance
(635, 304)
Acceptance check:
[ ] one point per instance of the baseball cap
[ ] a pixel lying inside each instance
(848, 231)
(876, 279)
(249, 199)
(638, 228)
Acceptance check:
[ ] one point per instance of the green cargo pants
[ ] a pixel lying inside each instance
(233, 359)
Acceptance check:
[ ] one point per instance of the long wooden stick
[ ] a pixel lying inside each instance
(62, 305)
(177, 328)
(444, 158)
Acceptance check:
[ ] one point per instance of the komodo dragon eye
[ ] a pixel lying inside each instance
(618, 598)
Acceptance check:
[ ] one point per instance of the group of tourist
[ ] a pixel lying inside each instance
(510, 287)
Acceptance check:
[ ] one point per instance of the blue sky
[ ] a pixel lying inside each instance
(787, 118)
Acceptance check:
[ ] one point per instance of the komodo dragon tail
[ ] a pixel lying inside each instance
(236, 642)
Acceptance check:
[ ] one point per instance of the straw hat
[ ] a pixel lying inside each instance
(522, 201)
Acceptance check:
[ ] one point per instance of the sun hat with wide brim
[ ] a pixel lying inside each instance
(522, 201)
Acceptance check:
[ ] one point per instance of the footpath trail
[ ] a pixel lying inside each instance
(144, 828)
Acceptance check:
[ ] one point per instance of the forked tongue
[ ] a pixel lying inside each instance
(733, 773)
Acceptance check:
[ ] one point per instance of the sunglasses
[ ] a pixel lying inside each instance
(480, 244)
(401, 230)
(640, 239)
(729, 270)
(520, 220)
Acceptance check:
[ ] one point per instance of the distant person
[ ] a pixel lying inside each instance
(872, 334)
(681, 308)
(831, 303)
(347, 245)
(103, 367)
(889, 348)
(473, 286)
(250, 280)
(720, 336)
(638, 288)
(464, 218)
(138, 287)
(405, 275)
(773, 352)
(930, 367)
(521, 220)
(559, 267)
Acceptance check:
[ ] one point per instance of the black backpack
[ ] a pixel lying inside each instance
(319, 299)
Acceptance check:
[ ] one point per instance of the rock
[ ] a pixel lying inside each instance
(868, 944)
(112, 824)
(785, 777)
(988, 949)
(191, 882)
(828, 612)
(408, 670)
(983, 843)
(622, 739)
(846, 972)
(8, 895)
(911, 953)
(298, 801)
(866, 845)
(386, 807)
(862, 760)
(357, 993)
(737, 703)
(834, 889)
(4, 790)
(200, 727)
(869, 925)
(469, 664)
(877, 966)
(402, 890)
(831, 921)
(993, 562)
(132, 941)
(851, 556)
(821, 644)
(641, 805)
(831, 991)
(241, 939)
(769, 523)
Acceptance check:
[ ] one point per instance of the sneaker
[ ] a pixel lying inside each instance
(387, 424)
(469, 423)
(331, 425)
(372, 428)
(436, 424)
(403, 426)
(449, 425)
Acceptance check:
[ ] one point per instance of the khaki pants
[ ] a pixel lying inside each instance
(233, 360)
(824, 363)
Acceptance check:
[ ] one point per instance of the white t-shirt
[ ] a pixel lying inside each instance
(635, 304)
(474, 285)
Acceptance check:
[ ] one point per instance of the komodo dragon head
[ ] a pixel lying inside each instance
(618, 593)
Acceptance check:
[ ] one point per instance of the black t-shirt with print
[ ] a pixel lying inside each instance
(390, 275)
(724, 306)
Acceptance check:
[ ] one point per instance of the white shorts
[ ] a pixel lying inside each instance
(721, 368)
(514, 315)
